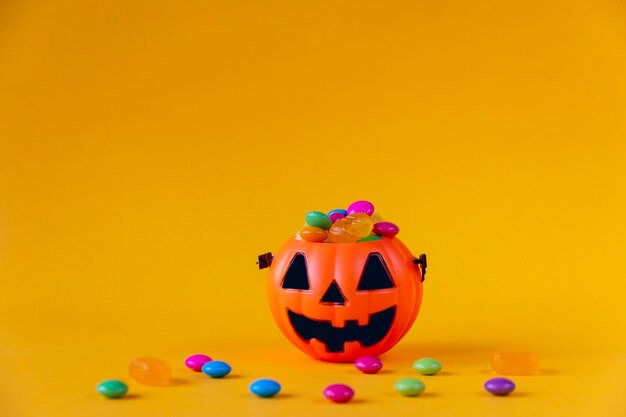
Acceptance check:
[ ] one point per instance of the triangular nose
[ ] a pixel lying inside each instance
(333, 295)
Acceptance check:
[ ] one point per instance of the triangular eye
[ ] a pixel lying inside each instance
(297, 277)
(375, 274)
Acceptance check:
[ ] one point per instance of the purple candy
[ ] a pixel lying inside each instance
(499, 386)
(386, 229)
(339, 393)
(195, 362)
(368, 364)
(361, 206)
(335, 216)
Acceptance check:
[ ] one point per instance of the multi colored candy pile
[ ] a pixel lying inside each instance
(358, 223)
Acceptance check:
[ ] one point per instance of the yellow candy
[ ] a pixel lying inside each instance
(150, 371)
(360, 224)
(515, 362)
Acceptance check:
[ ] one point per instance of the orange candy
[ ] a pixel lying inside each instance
(313, 234)
(515, 362)
(150, 371)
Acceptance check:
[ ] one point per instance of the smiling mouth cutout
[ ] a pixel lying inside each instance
(335, 337)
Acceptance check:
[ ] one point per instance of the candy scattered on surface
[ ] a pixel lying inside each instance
(216, 369)
(386, 229)
(338, 393)
(368, 364)
(318, 219)
(150, 371)
(112, 388)
(361, 206)
(427, 366)
(370, 238)
(410, 387)
(515, 362)
(313, 234)
(499, 386)
(195, 362)
(265, 387)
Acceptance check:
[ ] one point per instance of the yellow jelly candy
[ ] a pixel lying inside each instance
(360, 224)
(515, 362)
(150, 371)
(339, 233)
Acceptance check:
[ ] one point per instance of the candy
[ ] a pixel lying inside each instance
(368, 364)
(386, 229)
(339, 233)
(361, 206)
(216, 369)
(377, 218)
(410, 387)
(318, 219)
(313, 234)
(360, 224)
(150, 371)
(337, 214)
(112, 388)
(427, 366)
(338, 393)
(499, 386)
(265, 387)
(515, 362)
(195, 362)
(369, 238)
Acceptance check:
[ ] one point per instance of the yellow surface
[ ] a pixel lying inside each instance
(149, 151)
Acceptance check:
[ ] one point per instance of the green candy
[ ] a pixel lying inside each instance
(410, 387)
(427, 366)
(370, 238)
(112, 388)
(318, 219)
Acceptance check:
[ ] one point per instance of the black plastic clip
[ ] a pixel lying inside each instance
(421, 261)
(265, 260)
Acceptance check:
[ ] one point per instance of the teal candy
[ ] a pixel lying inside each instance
(410, 387)
(265, 387)
(318, 219)
(112, 388)
(216, 369)
(370, 238)
(427, 366)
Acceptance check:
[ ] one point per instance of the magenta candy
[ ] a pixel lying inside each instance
(335, 216)
(386, 229)
(368, 364)
(339, 393)
(195, 362)
(361, 206)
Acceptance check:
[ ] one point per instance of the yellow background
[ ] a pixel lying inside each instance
(149, 151)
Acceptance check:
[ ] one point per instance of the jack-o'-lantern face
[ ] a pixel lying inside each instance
(339, 301)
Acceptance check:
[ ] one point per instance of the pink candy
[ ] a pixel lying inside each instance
(339, 393)
(361, 206)
(335, 216)
(386, 229)
(195, 362)
(368, 364)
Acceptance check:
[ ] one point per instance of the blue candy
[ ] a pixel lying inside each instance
(216, 369)
(265, 387)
